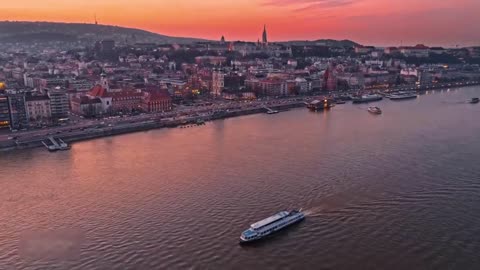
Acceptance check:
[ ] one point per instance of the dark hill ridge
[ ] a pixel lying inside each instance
(49, 31)
(26, 32)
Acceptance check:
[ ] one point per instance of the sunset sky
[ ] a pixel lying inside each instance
(377, 22)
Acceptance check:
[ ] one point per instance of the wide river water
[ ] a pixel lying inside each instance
(399, 190)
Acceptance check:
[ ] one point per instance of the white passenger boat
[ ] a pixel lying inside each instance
(271, 224)
(374, 110)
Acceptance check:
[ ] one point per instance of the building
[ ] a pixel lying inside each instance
(419, 51)
(364, 49)
(4, 112)
(273, 86)
(126, 101)
(212, 60)
(474, 52)
(329, 80)
(101, 93)
(391, 50)
(38, 109)
(80, 85)
(58, 103)
(218, 82)
(233, 82)
(18, 111)
(302, 85)
(85, 106)
(409, 72)
(437, 50)
(156, 100)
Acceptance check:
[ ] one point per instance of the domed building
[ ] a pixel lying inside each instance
(3, 86)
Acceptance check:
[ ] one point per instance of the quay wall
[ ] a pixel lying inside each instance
(138, 127)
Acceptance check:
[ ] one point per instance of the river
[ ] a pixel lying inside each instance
(399, 190)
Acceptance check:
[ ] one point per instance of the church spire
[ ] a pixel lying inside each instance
(264, 35)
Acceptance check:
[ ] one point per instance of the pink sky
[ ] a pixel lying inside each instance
(378, 22)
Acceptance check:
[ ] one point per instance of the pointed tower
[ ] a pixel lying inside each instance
(104, 81)
(222, 40)
(264, 35)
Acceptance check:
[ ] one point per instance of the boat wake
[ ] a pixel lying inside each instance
(314, 212)
(342, 200)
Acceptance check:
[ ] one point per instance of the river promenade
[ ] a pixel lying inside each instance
(91, 129)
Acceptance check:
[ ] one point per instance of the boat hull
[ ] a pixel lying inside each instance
(366, 100)
(402, 98)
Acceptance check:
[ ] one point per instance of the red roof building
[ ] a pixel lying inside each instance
(156, 100)
(126, 100)
(117, 101)
(89, 107)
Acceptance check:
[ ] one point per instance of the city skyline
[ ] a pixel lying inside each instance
(372, 22)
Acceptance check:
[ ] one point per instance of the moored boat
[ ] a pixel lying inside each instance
(474, 100)
(317, 105)
(367, 98)
(265, 227)
(403, 96)
(374, 110)
(272, 112)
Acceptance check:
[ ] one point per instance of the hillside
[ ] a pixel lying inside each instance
(26, 32)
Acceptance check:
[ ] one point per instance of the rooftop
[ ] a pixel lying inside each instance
(269, 220)
(36, 98)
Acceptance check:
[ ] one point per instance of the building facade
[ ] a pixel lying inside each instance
(58, 103)
(4, 112)
(156, 100)
(218, 82)
(88, 107)
(18, 111)
(38, 109)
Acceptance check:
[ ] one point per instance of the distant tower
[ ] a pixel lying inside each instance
(264, 35)
(96, 22)
(222, 40)
(329, 80)
(104, 81)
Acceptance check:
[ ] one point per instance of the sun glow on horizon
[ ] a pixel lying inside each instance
(377, 22)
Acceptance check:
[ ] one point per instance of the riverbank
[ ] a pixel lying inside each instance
(94, 133)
